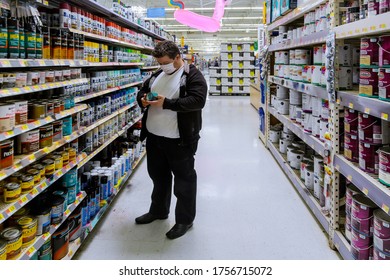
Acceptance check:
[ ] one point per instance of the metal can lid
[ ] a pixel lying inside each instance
(48, 161)
(42, 210)
(27, 178)
(21, 212)
(26, 221)
(38, 166)
(3, 244)
(57, 200)
(12, 186)
(33, 171)
(11, 233)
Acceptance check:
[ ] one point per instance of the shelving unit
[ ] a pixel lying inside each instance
(336, 164)
(82, 103)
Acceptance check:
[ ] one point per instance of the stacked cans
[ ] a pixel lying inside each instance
(348, 66)
(381, 235)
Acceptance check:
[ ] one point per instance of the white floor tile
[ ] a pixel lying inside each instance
(247, 208)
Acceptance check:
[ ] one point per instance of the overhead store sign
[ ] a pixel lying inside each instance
(155, 12)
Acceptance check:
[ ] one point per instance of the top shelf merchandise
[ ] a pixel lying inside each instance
(354, 130)
(59, 111)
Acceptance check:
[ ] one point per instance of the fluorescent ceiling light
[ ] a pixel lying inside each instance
(225, 18)
(224, 24)
(222, 30)
(212, 9)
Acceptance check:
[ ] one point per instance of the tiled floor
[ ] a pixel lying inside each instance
(247, 209)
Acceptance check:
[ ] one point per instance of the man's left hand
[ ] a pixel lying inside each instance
(157, 103)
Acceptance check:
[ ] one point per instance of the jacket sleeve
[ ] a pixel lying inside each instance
(195, 99)
(144, 89)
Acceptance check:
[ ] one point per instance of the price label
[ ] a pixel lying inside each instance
(24, 127)
(1, 217)
(11, 209)
(373, 28)
(365, 191)
(41, 62)
(357, 31)
(31, 157)
(36, 88)
(67, 212)
(44, 86)
(44, 184)
(385, 208)
(38, 122)
(365, 29)
(385, 116)
(17, 166)
(59, 173)
(17, 90)
(34, 192)
(383, 25)
(5, 63)
(349, 177)
(367, 110)
(46, 236)
(23, 200)
(46, 150)
(31, 251)
(5, 91)
(350, 105)
(28, 89)
(350, 32)
(9, 133)
(338, 101)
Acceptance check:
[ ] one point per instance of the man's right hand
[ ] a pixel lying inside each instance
(145, 103)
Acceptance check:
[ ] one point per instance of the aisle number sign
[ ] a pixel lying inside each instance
(182, 41)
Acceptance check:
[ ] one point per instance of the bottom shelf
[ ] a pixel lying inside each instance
(76, 244)
(342, 245)
(262, 137)
(300, 187)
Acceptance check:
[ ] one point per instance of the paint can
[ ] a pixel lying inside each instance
(283, 106)
(355, 75)
(11, 192)
(296, 158)
(316, 75)
(21, 110)
(373, 8)
(36, 111)
(346, 78)
(373, 130)
(45, 136)
(283, 143)
(57, 131)
(28, 224)
(75, 222)
(40, 168)
(3, 250)
(6, 153)
(345, 55)
(43, 214)
(292, 57)
(60, 241)
(302, 57)
(384, 51)
(300, 145)
(299, 113)
(27, 183)
(290, 148)
(281, 57)
(362, 206)
(72, 153)
(384, 84)
(382, 244)
(324, 126)
(317, 187)
(288, 135)
(67, 126)
(299, 73)
(368, 83)
(355, 56)
(305, 163)
(60, 191)
(293, 112)
(295, 97)
(276, 70)
(307, 103)
(57, 208)
(13, 237)
(50, 167)
(273, 103)
(317, 55)
(7, 116)
(309, 177)
(324, 72)
(360, 240)
(369, 52)
(360, 253)
(368, 157)
(364, 226)
(351, 147)
(318, 165)
(274, 136)
(281, 92)
(316, 126)
(307, 120)
(351, 120)
(379, 255)
(325, 109)
(306, 74)
(381, 224)
(384, 166)
(316, 106)
(28, 142)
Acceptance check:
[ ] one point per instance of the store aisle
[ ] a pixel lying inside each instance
(247, 209)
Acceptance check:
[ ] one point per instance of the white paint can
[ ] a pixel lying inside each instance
(316, 75)
(299, 112)
(318, 165)
(276, 70)
(273, 101)
(323, 54)
(283, 106)
(7, 116)
(316, 106)
(282, 57)
(296, 159)
(316, 126)
(289, 149)
(287, 71)
(283, 143)
(281, 92)
(305, 163)
(288, 136)
(345, 78)
(295, 97)
(317, 55)
(292, 57)
(323, 129)
(302, 57)
(355, 75)
(281, 71)
(325, 109)
(324, 72)
(317, 187)
(356, 56)
(345, 55)
(299, 145)
(309, 177)
(298, 73)
(274, 136)
(307, 103)
(293, 112)
(307, 122)
(287, 131)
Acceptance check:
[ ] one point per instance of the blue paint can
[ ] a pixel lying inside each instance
(67, 126)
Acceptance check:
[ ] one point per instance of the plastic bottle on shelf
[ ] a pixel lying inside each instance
(13, 37)
(65, 15)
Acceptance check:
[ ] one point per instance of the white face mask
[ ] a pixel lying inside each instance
(168, 68)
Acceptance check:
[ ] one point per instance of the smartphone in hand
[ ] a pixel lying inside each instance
(151, 96)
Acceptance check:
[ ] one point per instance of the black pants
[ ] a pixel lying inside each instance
(166, 157)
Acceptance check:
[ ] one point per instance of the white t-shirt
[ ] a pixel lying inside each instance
(164, 122)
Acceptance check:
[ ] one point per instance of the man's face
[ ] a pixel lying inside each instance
(165, 60)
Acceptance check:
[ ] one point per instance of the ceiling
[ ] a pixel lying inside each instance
(239, 23)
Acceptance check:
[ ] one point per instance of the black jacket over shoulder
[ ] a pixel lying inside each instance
(192, 98)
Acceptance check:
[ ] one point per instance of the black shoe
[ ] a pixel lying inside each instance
(148, 218)
(178, 230)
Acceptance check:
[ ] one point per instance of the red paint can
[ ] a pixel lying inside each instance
(384, 166)
(373, 130)
(351, 121)
(369, 50)
(6, 153)
(368, 157)
(384, 51)
(368, 82)
(351, 147)
(384, 84)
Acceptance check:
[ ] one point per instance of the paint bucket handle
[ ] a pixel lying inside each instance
(369, 125)
(354, 119)
(382, 47)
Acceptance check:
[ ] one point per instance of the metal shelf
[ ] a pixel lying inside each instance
(107, 13)
(313, 39)
(296, 14)
(368, 184)
(342, 245)
(150, 67)
(19, 129)
(378, 24)
(76, 244)
(40, 240)
(8, 209)
(29, 89)
(371, 106)
(107, 40)
(18, 63)
(300, 187)
(104, 64)
(309, 139)
(104, 92)
(301, 87)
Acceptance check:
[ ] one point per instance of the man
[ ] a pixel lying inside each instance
(171, 124)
